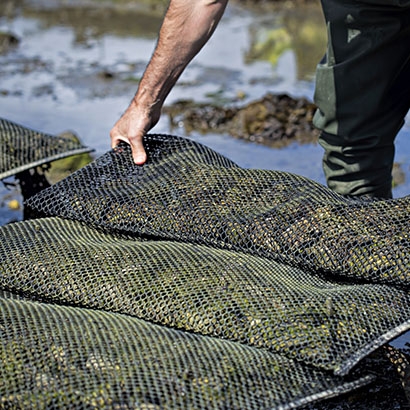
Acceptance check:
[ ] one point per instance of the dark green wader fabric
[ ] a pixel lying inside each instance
(363, 92)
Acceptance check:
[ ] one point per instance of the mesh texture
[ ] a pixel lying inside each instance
(71, 336)
(230, 295)
(187, 192)
(190, 282)
(22, 148)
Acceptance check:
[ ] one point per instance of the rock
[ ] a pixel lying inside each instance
(274, 120)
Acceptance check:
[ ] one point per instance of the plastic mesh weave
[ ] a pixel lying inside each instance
(225, 294)
(269, 288)
(98, 354)
(22, 148)
(187, 192)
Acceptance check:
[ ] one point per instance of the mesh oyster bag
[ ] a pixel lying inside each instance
(214, 292)
(22, 148)
(187, 192)
(283, 288)
(73, 337)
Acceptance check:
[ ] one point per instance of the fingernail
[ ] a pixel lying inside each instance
(139, 159)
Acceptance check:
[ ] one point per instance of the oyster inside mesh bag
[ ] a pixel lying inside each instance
(65, 357)
(221, 293)
(188, 192)
(22, 148)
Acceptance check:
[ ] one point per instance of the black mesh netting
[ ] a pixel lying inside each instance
(190, 282)
(71, 336)
(78, 356)
(22, 148)
(187, 192)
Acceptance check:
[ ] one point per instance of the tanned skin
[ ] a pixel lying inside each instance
(187, 26)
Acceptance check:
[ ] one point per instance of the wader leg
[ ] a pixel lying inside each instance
(363, 92)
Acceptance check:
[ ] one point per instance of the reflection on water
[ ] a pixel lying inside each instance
(300, 29)
(70, 54)
(91, 22)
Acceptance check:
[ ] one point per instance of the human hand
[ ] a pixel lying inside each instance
(131, 128)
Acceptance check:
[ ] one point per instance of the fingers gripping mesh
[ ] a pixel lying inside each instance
(22, 148)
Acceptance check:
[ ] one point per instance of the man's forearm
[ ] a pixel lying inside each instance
(187, 26)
